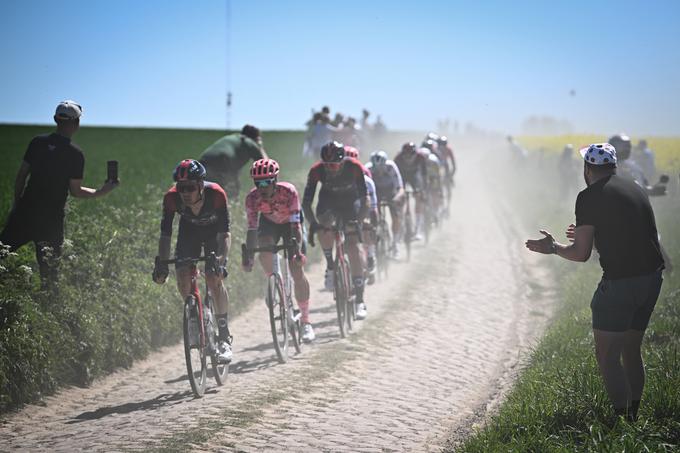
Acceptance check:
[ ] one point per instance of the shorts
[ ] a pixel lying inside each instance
(277, 231)
(627, 303)
(415, 180)
(191, 241)
(336, 207)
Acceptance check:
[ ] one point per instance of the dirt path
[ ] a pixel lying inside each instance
(442, 341)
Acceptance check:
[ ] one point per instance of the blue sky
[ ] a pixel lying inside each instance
(167, 63)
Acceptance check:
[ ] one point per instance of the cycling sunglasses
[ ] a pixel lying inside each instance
(261, 183)
(187, 188)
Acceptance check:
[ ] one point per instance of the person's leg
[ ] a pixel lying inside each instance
(608, 349)
(48, 235)
(633, 365)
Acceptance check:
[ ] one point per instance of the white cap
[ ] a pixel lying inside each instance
(599, 154)
(68, 110)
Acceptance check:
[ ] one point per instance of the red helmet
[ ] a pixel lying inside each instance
(264, 169)
(351, 151)
(409, 148)
(189, 170)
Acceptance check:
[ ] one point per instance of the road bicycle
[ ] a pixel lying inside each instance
(383, 241)
(200, 329)
(342, 285)
(284, 318)
(408, 225)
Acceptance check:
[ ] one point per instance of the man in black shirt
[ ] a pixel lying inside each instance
(614, 212)
(55, 166)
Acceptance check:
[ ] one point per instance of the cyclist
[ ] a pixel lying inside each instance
(204, 223)
(369, 227)
(389, 188)
(342, 183)
(629, 168)
(433, 181)
(412, 166)
(273, 212)
(448, 160)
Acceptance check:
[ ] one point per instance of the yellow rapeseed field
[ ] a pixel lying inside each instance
(666, 149)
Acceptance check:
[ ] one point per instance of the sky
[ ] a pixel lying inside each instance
(490, 63)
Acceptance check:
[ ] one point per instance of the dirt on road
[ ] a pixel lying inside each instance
(445, 336)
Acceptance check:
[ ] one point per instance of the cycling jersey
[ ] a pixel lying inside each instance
(281, 208)
(348, 183)
(387, 179)
(214, 214)
(433, 168)
(412, 168)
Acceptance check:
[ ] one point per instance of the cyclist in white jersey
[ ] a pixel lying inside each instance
(389, 188)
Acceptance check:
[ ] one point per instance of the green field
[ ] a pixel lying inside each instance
(108, 312)
(559, 403)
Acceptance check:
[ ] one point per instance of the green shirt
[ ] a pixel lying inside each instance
(231, 152)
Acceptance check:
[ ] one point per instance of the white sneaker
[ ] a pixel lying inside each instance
(224, 354)
(361, 311)
(308, 334)
(328, 280)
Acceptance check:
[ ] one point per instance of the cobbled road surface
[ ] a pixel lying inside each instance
(444, 338)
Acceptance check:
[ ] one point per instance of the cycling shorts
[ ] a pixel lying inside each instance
(191, 240)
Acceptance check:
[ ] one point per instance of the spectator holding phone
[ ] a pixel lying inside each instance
(55, 165)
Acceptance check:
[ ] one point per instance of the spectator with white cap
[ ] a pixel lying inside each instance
(55, 165)
(615, 214)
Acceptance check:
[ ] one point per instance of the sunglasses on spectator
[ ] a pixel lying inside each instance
(187, 188)
(261, 183)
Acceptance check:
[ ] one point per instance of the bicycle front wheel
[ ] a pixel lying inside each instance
(408, 234)
(195, 347)
(278, 317)
(341, 294)
(220, 370)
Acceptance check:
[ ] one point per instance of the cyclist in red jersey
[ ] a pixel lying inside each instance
(342, 183)
(273, 212)
(413, 168)
(203, 224)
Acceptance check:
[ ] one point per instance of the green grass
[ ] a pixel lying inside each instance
(559, 402)
(108, 312)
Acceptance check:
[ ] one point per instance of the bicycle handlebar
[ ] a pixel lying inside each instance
(181, 261)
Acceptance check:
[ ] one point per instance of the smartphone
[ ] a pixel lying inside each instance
(112, 171)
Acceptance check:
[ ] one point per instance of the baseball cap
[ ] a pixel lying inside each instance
(68, 110)
(599, 154)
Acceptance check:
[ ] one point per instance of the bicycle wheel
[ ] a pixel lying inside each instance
(341, 295)
(220, 370)
(408, 234)
(383, 249)
(194, 347)
(350, 306)
(278, 317)
(295, 325)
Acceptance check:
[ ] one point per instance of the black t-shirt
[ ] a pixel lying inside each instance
(53, 160)
(625, 230)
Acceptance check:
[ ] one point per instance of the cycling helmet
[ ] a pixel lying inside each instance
(443, 141)
(430, 144)
(621, 142)
(409, 148)
(351, 151)
(264, 169)
(378, 158)
(189, 170)
(431, 136)
(332, 152)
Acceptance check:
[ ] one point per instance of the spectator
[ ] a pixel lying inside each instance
(224, 159)
(56, 166)
(615, 214)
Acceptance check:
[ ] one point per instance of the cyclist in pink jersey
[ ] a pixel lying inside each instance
(273, 212)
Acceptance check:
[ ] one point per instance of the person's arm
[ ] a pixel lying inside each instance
(308, 195)
(579, 250)
(20, 181)
(77, 190)
(160, 272)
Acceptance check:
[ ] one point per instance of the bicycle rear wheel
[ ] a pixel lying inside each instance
(383, 250)
(220, 370)
(278, 317)
(195, 347)
(408, 234)
(341, 294)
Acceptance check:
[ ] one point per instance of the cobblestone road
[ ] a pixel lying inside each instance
(443, 338)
